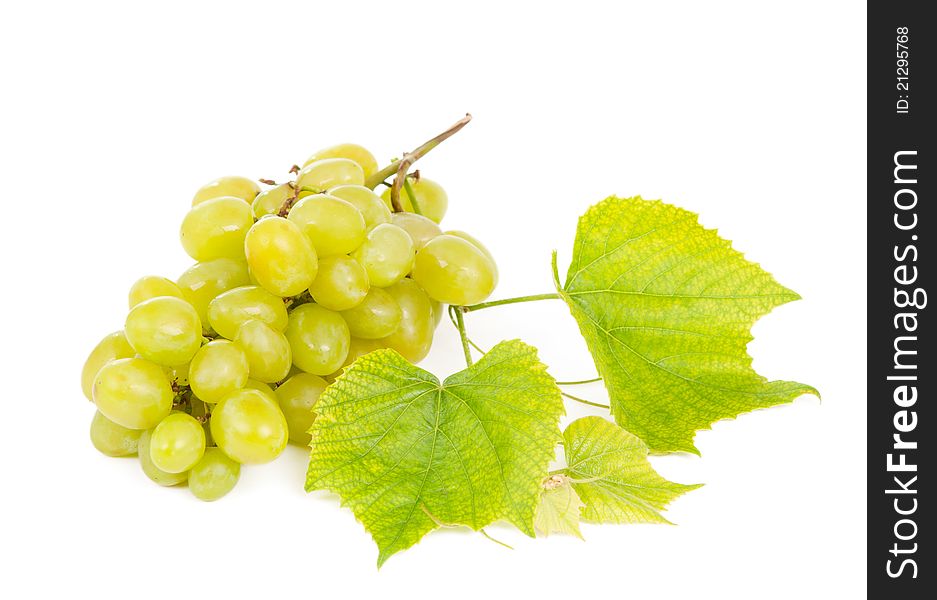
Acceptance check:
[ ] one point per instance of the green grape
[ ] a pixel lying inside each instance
(253, 384)
(164, 330)
(354, 152)
(203, 281)
(333, 225)
(484, 250)
(249, 427)
(214, 476)
(342, 283)
(454, 271)
(113, 346)
(267, 350)
(370, 204)
(177, 443)
(218, 368)
(229, 310)
(269, 201)
(421, 229)
(297, 396)
(216, 229)
(327, 173)
(430, 197)
(152, 471)
(357, 348)
(387, 255)
(113, 439)
(280, 256)
(239, 187)
(132, 392)
(438, 309)
(415, 335)
(319, 339)
(152, 286)
(377, 317)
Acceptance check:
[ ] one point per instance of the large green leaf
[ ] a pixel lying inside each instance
(666, 308)
(407, 453)
(609, 470)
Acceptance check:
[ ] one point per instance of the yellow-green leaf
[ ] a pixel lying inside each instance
(559, 507)
(407, 453)
(608, 468)
(666, 308)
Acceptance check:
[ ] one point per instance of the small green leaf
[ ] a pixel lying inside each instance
(609, 470)
(407, 453)
(666, 308)
(559, 507)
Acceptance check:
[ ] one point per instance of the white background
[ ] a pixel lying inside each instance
(752, 115)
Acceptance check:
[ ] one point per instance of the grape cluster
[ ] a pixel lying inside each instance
(293, 283)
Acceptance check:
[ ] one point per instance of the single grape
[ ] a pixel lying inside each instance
(474, 241)
(152, 471)
(239, 187)
(333, 225)
(267, 350)
(354, 152)
(216, 229)
(421, 229)
(454, 271)
(297, 396)
(249, 427)
(177, 443)
(430, 197)
(202, 282)
(341, 283)
(327, 173)
(438, 310)
(214, 476)
(152, 286)
(387, 255)
(376, 317)
(229, 310)
(269, 201)
(280, 256)
(370, 204)
(132, 392)
(414, 336)
(319, 339)
(113, 439)
(164, 330)
(218, 368)
(113, 346)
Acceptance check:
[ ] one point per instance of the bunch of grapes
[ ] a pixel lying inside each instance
(224, 366)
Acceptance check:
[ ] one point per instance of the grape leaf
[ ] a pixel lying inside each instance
(666, 308)
(608, 468)
(559, 507)
(407, 453)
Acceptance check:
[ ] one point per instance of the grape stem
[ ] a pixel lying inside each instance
(456, 325)
(584, 401)
(409, 189)
(533, 298)
(579, 382)
(403, 165)
(460, 325)
(290, 200)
